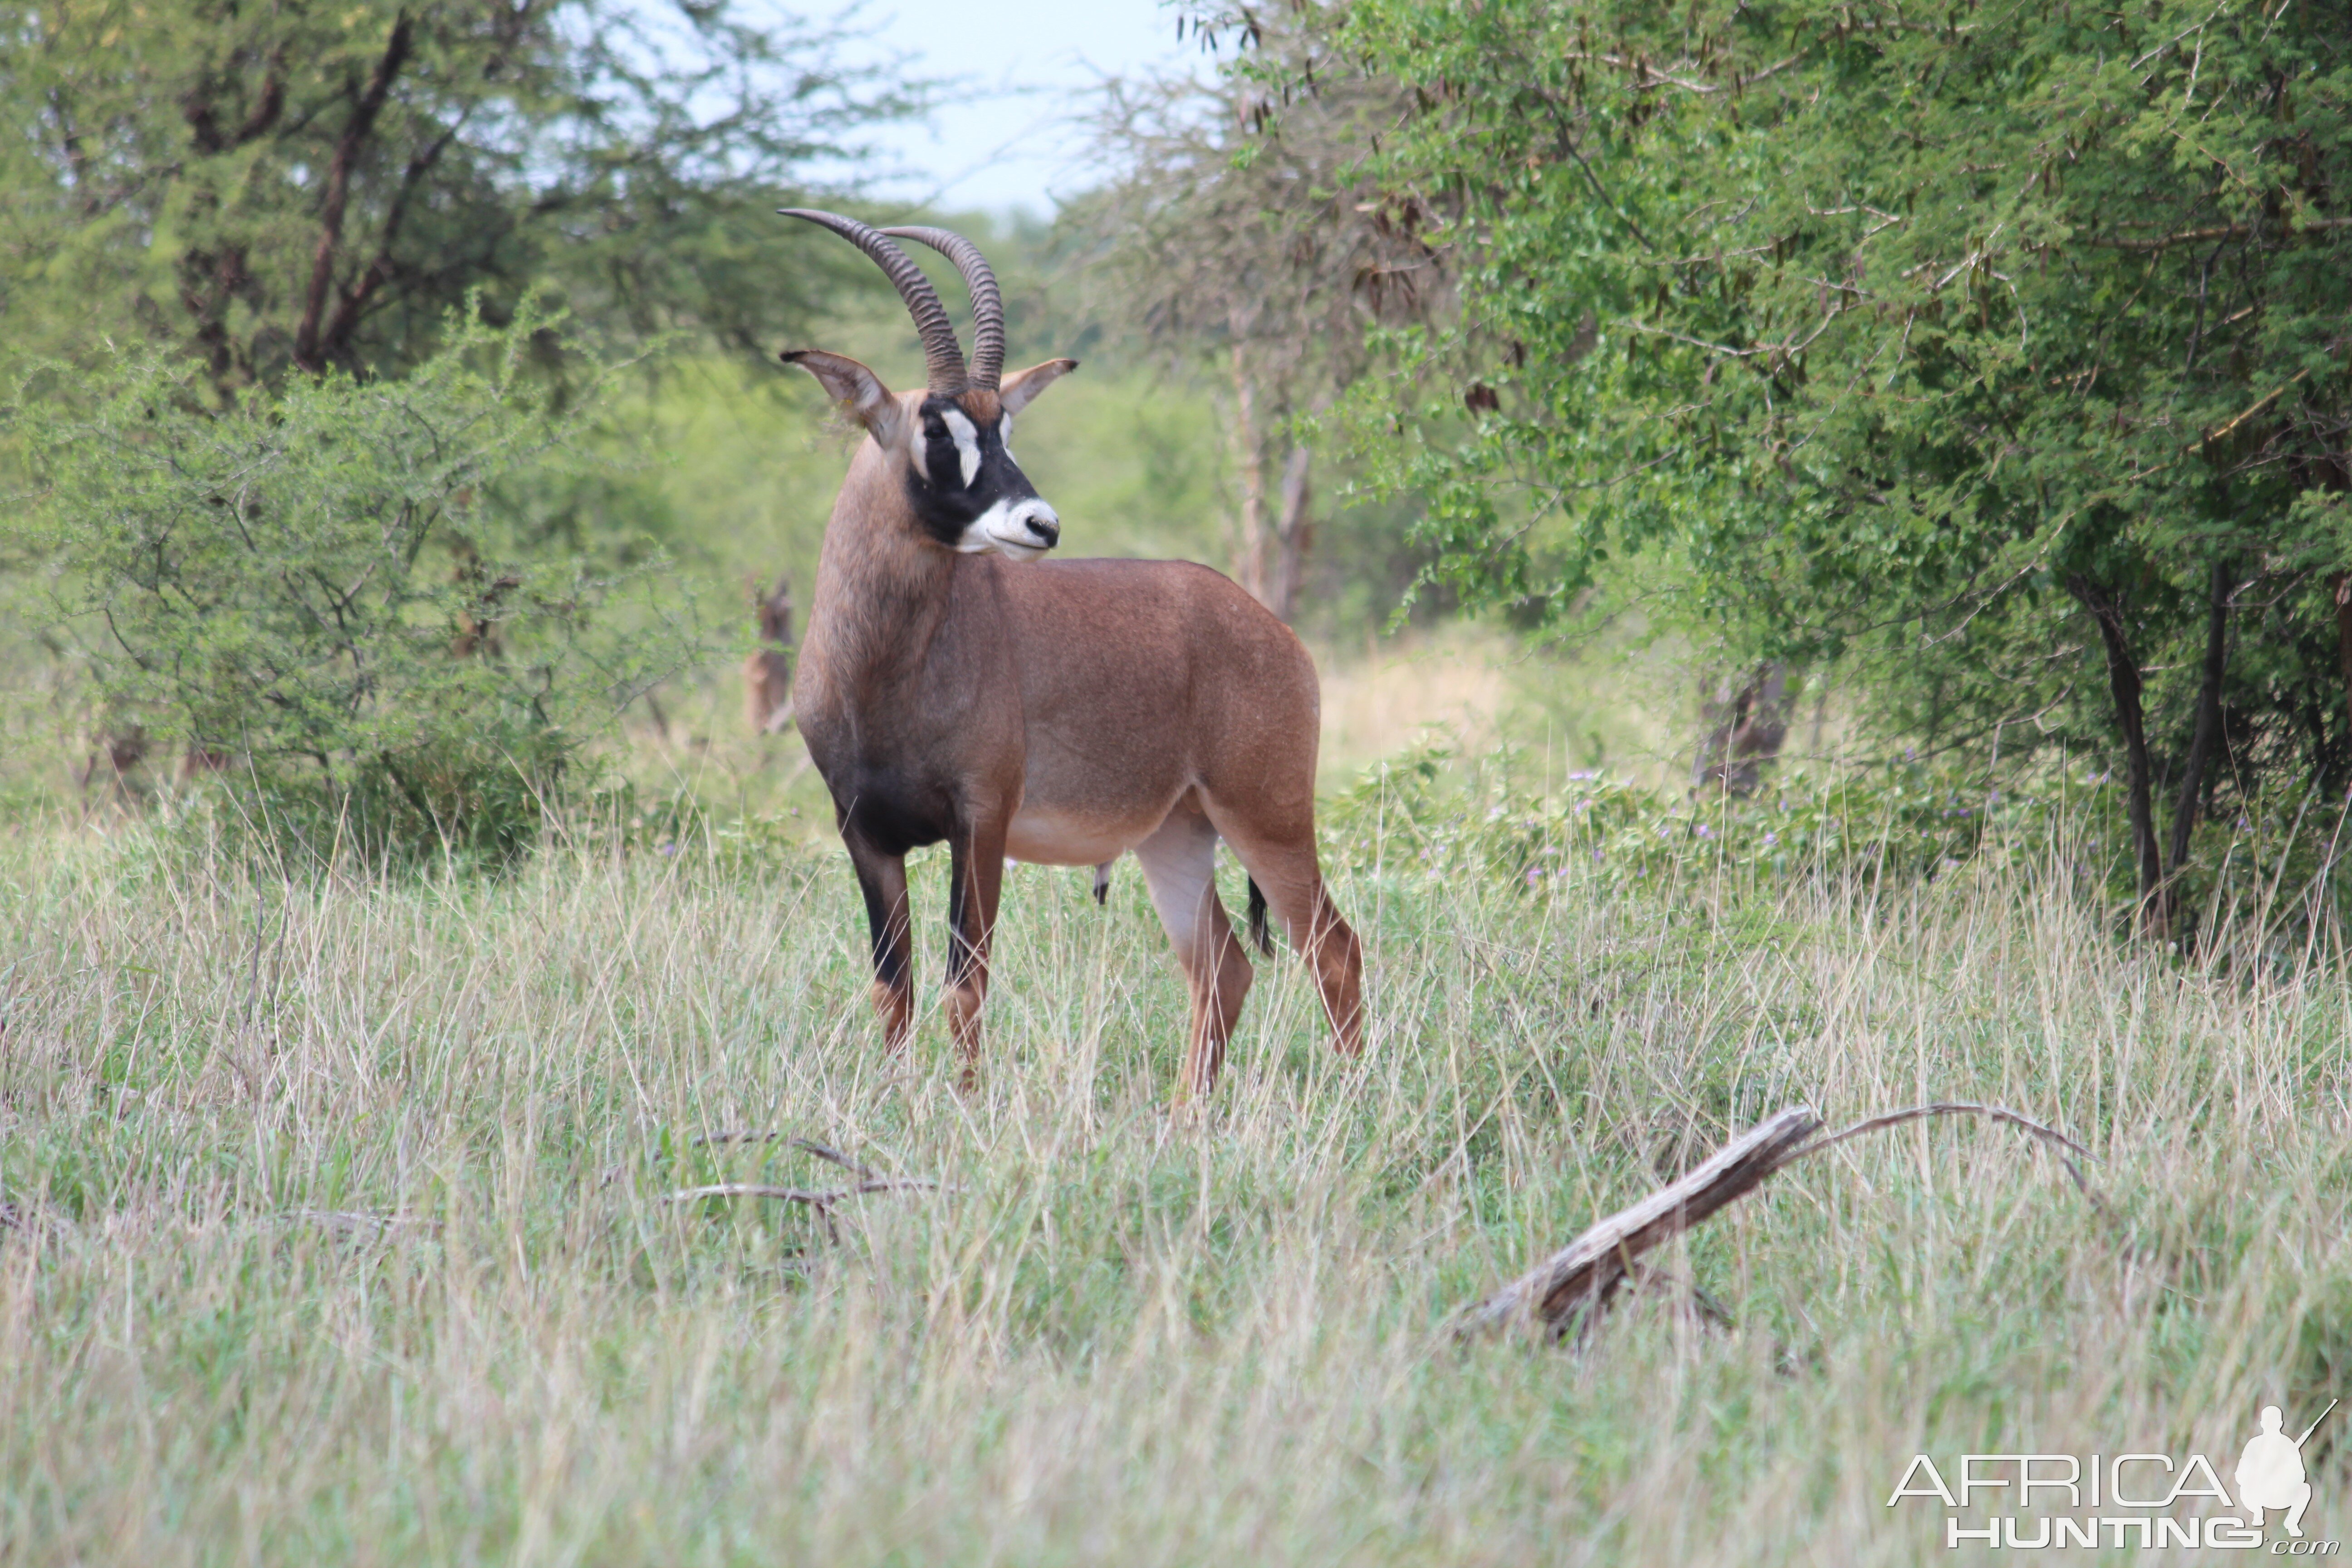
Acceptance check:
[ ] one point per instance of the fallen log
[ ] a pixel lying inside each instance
(1568, 1288)
(1579, 1278)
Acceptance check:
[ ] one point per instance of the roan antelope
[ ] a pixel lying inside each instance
(1061, 712)
(768, 668)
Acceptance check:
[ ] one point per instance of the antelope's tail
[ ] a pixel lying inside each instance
(1258, 927)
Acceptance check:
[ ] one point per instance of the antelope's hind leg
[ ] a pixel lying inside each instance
(1179, 863)
(890, 919)
(1286, 870)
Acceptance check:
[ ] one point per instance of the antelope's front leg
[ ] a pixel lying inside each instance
(975, 877)
(883, 879)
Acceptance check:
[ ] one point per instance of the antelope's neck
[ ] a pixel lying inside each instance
(882, 593)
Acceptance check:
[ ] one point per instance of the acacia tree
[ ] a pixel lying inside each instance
(304, 185)
(329, 591)
(317, 559)
(2001, 352)
(1235, 231)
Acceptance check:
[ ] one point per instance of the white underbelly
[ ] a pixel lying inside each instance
(1068, 838)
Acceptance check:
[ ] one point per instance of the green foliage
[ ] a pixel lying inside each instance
(2270, 867)
(620, 815)
(1236, 247)
(334, 598)
(1905, 819)
(1922, 344)
(308, 184)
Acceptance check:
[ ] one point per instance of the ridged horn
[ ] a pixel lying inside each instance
(987, 304)
(944, 359)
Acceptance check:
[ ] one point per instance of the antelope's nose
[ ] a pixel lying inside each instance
(1044, 526)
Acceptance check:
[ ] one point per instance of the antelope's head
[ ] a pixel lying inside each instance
(951, 444)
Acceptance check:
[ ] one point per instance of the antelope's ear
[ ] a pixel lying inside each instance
(1020, 389)
(858, 391)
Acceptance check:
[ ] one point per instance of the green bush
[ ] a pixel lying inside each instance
(2264, 872)
(333, 596)
(1903, 819)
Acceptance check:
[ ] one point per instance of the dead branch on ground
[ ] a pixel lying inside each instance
(1568, 1290)
(821, 1199)
(824, 1151)
(360, 1223)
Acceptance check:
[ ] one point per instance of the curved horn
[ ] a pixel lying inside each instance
(987, 304)
(939, 351)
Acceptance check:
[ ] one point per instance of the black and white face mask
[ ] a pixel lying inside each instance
(967, 490)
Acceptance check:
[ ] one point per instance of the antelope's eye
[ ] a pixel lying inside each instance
(937, 455)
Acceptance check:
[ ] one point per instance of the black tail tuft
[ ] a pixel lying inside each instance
(1257, 930)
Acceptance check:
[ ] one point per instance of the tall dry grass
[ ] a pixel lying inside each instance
(337, 1231)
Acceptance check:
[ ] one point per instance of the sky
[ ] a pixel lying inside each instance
(1024, 68)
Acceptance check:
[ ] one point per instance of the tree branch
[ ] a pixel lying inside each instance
(355, 300)
(2124, 687)
(1565, 1290)
(2222, 231)
(362, 125)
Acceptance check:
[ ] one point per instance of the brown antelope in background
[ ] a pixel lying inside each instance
(767, 670)
(1061, 712)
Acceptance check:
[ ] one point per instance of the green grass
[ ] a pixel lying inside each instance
(340, 1234)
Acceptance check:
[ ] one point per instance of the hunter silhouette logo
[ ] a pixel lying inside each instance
(2145, 1501)
(2270, 1472)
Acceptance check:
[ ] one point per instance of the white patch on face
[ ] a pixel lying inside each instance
(1004, 435)
(1005, 529)
(967, 440)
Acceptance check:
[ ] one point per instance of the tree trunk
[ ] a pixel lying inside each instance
(2342, 583)
(349, 148)
(1746, 729)
(2124, 686)
(1294, 534)
(2209, 724)
(1249, 464)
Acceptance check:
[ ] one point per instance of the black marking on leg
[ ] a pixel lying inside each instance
(963, 954)
(889, 963)
(889, 955)
(1102, 884)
